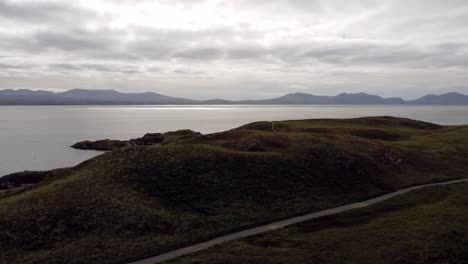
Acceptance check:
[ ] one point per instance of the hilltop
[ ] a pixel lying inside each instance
(111, 97)
(137, 201)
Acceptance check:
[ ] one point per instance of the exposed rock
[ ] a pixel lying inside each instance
(149, 139)
(179, 135)
(252, 144)
(266, 126)
(8, 185)
(102, 145)
(258, 143)
(390, 155)
(183, 132)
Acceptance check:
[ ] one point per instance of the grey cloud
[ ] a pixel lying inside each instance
(106, 68)
(443, 23)
(453, 47)
(103, 43)
(367, 54)
(73, 40)
(80, 67)
(157, 45)
(208, 53)
(184, 2)
(153, 69)
(130, 71)
(184, 71)
(302, 6)
(17, 67)
(372, 54)
(42, 11)
(8, 66)
(249, 52)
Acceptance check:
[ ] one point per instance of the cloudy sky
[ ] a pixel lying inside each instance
(236, 48)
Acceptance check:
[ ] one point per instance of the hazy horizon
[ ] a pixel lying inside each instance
(236, 49)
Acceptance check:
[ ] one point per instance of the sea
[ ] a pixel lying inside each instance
(39, 137)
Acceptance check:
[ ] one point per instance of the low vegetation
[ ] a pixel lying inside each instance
(138, 201)
(428, 226)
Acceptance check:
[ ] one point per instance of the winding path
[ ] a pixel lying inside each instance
(284, 223)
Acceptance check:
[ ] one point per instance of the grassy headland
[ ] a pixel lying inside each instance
(138, 201)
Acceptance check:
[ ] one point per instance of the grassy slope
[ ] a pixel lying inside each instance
(429, 226)
(136, 202)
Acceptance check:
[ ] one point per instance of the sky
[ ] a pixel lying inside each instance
(236, 49)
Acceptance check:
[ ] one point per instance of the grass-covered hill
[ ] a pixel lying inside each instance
(139, 201)
(429, 226)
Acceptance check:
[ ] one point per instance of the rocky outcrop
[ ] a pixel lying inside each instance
(147, 140)
(180, 135)
(8, 185)
(101, 145)
(265, 126)
(258, 143)
(389, 155)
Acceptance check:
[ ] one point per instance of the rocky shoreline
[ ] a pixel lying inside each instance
(149, 139)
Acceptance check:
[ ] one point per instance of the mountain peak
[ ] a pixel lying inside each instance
(454, 94)
(354, 94)
(80, 90)
(296, 94)
(451, 98)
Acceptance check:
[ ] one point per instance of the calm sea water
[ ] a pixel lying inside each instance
(38, 137)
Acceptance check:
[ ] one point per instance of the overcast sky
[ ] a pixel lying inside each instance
(236, 48)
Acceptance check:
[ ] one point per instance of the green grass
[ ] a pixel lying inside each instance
(138, 201)
(429, 226)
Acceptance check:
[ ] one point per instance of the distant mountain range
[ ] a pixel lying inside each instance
(111, 97)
